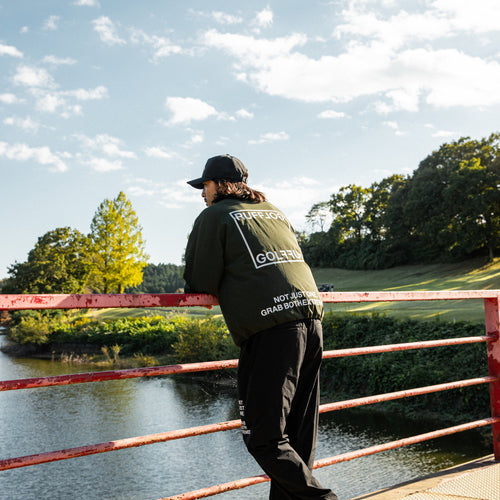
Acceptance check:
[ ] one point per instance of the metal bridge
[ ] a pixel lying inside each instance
(490, 298)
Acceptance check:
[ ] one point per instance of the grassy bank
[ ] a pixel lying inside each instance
(470, 275)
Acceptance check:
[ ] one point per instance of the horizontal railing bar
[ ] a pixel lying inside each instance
(119, 444)
(396, 296)
(81, 378)
(53, 456)
(356, 351)
(345, 457)
(98, 301)
(105, 301)
(389, 396)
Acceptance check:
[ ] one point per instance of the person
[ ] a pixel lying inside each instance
(243, 250)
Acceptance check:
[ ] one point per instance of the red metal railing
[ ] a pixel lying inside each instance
(491, 300)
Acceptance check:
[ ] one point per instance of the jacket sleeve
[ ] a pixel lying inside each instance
(205, 254)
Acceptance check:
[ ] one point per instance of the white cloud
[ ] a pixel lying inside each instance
(50, 102)
(163, 47)
(87, 3)
(264, 18)
(106, 30)
(391, 124)
(30, 76)
(27, 123)
(394, 126)
(140, 191)
(296, 195)
(440, 19)
(175, 195)
(87, 95)
(57, 101)
(218, 16)
(223, 18)
(331, 114)
(446, 77)
(51, 23)
(159, 152)
(243, 113)
(479, 16)
(104, 143)
(104, 165)
(10, 50)
(9, 99)
(172, 195)
(270, 137)
(444, 133)
(188, 109)
(196, 138)
(42, 155)
(257, 49)
(57, 61)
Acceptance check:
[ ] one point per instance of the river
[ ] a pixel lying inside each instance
(53, 418)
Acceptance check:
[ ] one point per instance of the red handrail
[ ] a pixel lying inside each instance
(120, 444)
(345, 457)
(491, 305)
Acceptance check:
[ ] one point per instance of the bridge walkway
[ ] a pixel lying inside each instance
(475, 480)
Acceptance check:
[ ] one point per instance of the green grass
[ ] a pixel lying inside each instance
(474, 274)
(470, 275)
(193, 312)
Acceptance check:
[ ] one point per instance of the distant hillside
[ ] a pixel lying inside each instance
(469, 275)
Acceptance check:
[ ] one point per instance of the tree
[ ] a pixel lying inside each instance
(119, 250)
(348, 210)
(377, 204)
(452, 200)
(60, 262)
(160, 278)
(319, 215)
(449, 209)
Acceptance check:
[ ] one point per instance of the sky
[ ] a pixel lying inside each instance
(102, 96)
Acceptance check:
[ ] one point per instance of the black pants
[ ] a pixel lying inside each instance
(278, 384)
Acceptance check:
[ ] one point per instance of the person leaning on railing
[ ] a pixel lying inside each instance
(244, 250)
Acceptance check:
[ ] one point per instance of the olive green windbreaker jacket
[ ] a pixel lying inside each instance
(247, 255)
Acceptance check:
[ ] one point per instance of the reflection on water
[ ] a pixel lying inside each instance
(53, 418)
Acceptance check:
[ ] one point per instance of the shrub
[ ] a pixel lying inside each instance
(204, 340)
(358, 376)
(35, 327)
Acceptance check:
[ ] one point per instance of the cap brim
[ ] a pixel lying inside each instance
(197, 183)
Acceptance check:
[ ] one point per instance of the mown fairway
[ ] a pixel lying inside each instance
(470, 275)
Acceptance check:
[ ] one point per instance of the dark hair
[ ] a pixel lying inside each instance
(237, 191)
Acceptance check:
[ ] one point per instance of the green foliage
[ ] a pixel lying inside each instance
(154, 335)
(65, 261)
(118, 246)
(36, 327)
(59, 263)
(371, 374)
(185, 339)
(206, 339)
(448, 210)
(160, 278)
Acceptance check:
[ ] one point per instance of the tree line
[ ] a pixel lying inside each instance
(64, 260)
(447, 210)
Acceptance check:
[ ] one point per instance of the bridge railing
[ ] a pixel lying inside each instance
(491, 299)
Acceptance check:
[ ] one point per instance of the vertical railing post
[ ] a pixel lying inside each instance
(492, 320)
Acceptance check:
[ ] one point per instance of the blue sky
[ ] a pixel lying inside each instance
(98, 97)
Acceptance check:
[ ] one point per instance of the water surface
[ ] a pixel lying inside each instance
(53, 418)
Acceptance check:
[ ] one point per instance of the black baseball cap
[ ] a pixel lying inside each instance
(221, 168)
